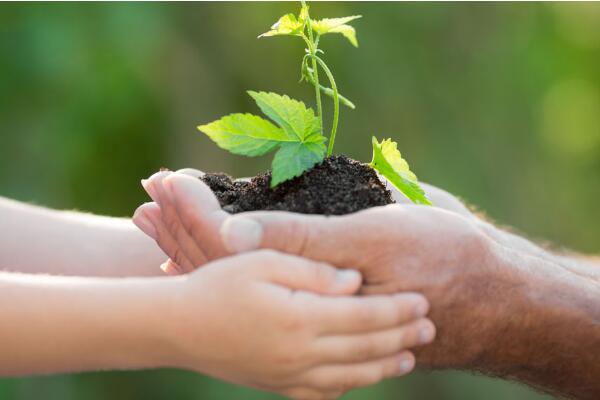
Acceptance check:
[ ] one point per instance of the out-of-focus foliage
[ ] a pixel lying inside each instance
(498, 103)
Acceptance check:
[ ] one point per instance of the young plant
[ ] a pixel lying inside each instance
(297, 135)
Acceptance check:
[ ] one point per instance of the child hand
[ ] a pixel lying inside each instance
(186, 227)
(290, 325)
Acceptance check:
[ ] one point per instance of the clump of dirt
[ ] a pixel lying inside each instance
(338, 185)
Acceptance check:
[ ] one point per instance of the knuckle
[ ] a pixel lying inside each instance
(294, 321)
(299, 231)
(289, 357)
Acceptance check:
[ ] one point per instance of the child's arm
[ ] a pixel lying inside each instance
(264, 319)
(39, 240)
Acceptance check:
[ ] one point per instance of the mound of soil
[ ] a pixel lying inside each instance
(338, 185)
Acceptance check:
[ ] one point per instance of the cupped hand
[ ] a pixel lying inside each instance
(185, 225)
(290, 325)
(440, 253)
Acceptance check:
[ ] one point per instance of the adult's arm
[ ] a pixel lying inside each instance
(502, 305)
(39, 240)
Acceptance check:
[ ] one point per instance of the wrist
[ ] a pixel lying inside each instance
(132, 320)
(537, 314)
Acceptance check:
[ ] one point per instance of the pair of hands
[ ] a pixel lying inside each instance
(397, 248)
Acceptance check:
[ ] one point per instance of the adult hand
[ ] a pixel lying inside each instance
(502, 305)
(396, 248)
(189, 247)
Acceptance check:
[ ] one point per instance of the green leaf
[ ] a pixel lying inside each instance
(245, 134)
(337, 25)
(388, 161)
(292, 159)
(286, 25)
(298, 136)
(292, 115)
(303, 14)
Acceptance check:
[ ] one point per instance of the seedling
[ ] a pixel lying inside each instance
(297, 135)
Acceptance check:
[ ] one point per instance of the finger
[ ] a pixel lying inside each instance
(199, 212)
(158, 186)
(141, 220)
(346, 315)
(313, 236)
(303, 393)
(170, 268)
(298, 273)
(194, 173)
(168, 244)
(372, 346)
(346, 377)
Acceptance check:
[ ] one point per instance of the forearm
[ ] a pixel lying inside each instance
(544, 323)
(581, 265)
(65, 324)
(38, 240)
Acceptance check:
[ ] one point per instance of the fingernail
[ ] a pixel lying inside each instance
(149, 188)
(143, 222)
(425, 335)
(241, 234)
(170, 268)
(347, 275)
(168, 188)
(406, 365)
(421, 309)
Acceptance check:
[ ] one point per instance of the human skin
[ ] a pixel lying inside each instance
(267, 320)
(271, 321)
(41, 240)
(502, 305)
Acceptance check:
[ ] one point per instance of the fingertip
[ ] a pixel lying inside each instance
(406, 362)
(149, 184)
(194, 173)
(191, 192)
(427, 331)
(421, 306)
(348, 281)
(167, 185)
(170, 268)
(142, 220)
(418, 304)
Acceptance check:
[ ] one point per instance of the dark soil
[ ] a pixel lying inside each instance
(339, 185)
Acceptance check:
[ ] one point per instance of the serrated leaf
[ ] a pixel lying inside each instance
(292, 159)
(337, 25)
(286, 25)
(245, 134)
(291, 115)
(388, 161)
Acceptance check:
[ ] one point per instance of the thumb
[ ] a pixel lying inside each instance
(321, 238)
(298, 273)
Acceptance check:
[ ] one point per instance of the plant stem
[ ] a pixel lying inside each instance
(336, 103)
(313, 52)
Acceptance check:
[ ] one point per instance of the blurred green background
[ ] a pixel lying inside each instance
(498, 103)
